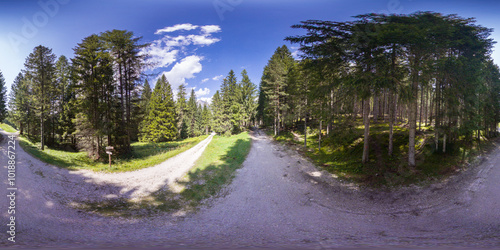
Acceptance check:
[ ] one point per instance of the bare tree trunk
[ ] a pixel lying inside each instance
(412, 119)
(392, 109)
(426, 110)
(305, 132)
(366, 121)
(375, 108)
(320, 128)
(437, 116)
(421, 108)
(444, 143)
(275, 124)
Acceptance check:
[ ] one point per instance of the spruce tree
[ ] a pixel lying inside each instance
(247, 100)
(161, 124)
(231, 108)
(19, 104)
(191, 112)
(40, 68)
(181, 107)
(206, 117)
(274, 84)
(3, 98)
(220, 123)
(144, 105)
(65, 98)
(95, 102)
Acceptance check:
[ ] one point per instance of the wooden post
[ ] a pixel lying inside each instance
(109, 152)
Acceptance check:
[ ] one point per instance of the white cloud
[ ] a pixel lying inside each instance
(185, 69)
(166, 50)
(206, 99)
(216, 78)
(202, 92)
(205, 80)
(205, 39)
(160, 56)
(184, 26)
(210, 29)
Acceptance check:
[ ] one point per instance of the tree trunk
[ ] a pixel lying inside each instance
(392, 106)
(421, 108)
(275, 125)
(366, 121)
(375, 108)
(412, 119)
(319, 139)
(444, 143)
(305, 132)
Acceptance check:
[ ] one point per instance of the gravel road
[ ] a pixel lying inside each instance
(278, 199)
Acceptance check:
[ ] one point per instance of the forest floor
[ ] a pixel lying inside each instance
(278, 199)
(342, 150)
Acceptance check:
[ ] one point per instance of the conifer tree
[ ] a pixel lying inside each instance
(220, 123)
(160, 122)
(19, 104)
(3, 98)
(191, 112)
(40, 68)
(247, 100)
(181, 108)
(144, 105)
(274, 83)
(206, 117)
(231, 108)
(96, 114)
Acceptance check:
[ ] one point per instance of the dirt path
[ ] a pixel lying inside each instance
(279, 199)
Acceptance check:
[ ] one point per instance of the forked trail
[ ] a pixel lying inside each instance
(278, 199)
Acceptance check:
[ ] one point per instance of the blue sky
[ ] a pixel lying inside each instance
(196, 42)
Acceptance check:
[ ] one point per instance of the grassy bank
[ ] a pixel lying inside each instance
(143, 155)
(342, 150)
(212, 171)
(7, 128)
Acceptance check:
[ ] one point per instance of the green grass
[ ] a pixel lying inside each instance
(143, 155)
(7, 128)
(342, 150)
(216, 166)
(212, 171)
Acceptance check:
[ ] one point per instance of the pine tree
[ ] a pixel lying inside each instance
(206, 118)
(3, 98)
(231, 108)
(128, 62)
(144, 105)
(19, 104)
(247, 100)
(199, 126)
(65, 100)
(191, 111)
(96, 114)
(181, 108)
(274, 83)
(220, 123)
(40, 68)
(145, 96)
(161, 125)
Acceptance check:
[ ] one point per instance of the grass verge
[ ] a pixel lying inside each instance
(143, 155)
(7, 128)
(342, 150)
(212, 171)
